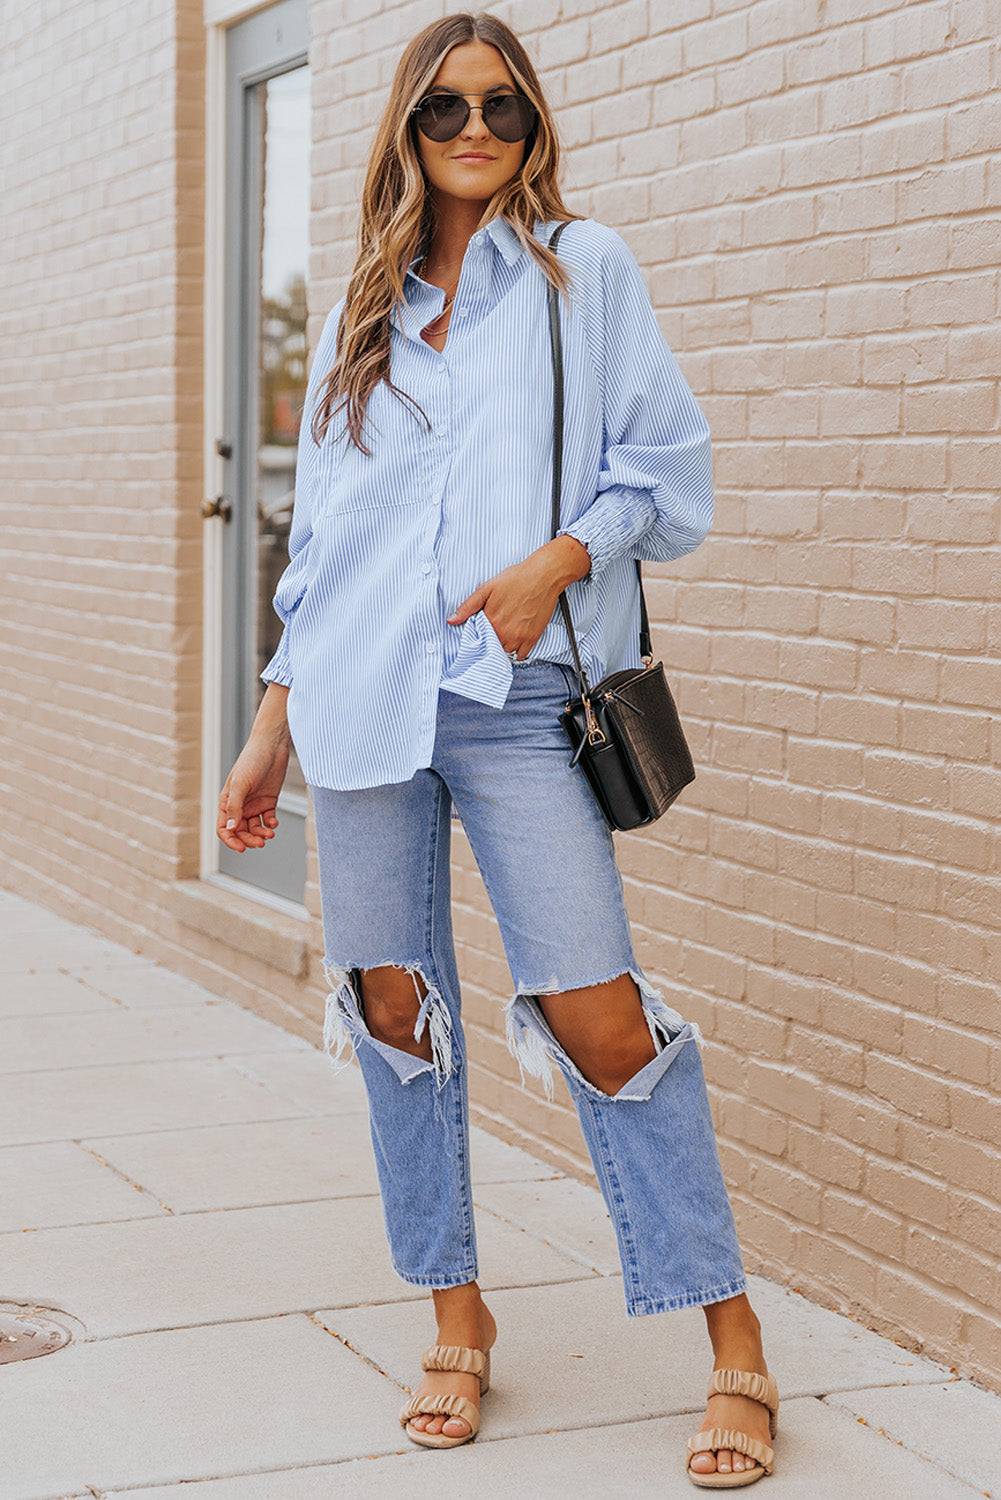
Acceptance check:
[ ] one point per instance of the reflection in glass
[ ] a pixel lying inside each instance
(281, 376)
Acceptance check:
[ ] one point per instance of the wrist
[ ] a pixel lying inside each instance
(271, 721)
(570, 560)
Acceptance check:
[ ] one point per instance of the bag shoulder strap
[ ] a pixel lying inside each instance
(556, 345)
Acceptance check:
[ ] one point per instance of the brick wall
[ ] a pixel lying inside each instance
(812, 189)
(102, 143)
(102, 606)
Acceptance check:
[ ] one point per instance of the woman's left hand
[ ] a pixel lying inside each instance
(520, 600)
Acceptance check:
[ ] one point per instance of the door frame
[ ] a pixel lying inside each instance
(220, 15)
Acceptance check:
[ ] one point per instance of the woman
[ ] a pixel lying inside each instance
(423, 663)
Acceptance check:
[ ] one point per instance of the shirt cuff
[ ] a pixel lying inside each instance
(611, 527)
(279, 668)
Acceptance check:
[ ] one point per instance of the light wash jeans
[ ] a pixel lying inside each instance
(548, 864)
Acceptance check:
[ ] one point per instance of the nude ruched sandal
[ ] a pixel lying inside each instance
(736, 1383)
(448, 1357)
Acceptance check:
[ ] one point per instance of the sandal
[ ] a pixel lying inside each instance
(448, 1357)
(760, 1388)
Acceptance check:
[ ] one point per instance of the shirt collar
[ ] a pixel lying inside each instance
(423, 301)
(503, 236)
(506, 238)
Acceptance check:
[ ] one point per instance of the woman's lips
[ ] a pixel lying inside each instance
(473, 156)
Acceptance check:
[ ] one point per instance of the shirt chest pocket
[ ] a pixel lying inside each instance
(394, 474)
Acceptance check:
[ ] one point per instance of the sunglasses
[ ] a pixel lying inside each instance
(441, 117)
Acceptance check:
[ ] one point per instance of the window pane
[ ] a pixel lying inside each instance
(285, 129)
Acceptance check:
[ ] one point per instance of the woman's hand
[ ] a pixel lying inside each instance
(248, 802)
(520, 600)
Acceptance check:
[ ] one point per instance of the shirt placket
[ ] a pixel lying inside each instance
(439, 411)
(441, 415)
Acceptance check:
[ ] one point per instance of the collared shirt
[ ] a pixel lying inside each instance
(383, 548)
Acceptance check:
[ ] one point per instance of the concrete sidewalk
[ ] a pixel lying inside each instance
(196, 1188)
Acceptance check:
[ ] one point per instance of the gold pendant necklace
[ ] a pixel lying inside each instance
(448, 299)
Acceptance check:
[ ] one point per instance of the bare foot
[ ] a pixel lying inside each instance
(736, 1338)
(463, 1319)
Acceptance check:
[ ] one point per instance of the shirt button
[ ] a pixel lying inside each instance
(426, 569)
(462, 312)
(431, 648)
(441, 429)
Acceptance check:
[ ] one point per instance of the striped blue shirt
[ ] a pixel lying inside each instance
(384, 548)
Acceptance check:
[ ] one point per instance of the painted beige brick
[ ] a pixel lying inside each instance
(857, 1220)
(825, 1158)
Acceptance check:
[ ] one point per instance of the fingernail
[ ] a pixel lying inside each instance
(231, 823)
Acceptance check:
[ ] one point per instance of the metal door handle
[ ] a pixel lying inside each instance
(220, 506)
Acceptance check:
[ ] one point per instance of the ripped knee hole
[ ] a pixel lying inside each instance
(346, 1026)
(535, 1048)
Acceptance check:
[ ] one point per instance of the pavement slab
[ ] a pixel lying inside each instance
(239, 1166)
(49, 994)
(192, 1268)
(18, 918)
(955, 1425)
(140, 985)
(182, 1404)
(61, 1183)
(285, 1161)
(818, 1456)
(47, 950)
(565, 1214)
(306, 1080)
(43, 1042)
(567, 1356)
(67, 1103)
(497, 1161)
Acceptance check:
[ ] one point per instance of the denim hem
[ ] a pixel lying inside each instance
(438, 1283)
(638, 1307)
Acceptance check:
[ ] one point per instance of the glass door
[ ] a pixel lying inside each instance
(267, 245)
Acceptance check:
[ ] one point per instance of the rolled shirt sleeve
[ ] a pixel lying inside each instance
(655, 491)
(292, 583)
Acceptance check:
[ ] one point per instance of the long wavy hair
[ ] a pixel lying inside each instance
(397, 215)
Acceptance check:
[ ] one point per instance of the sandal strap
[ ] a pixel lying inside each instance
(737, 1442)
(453, 1358)
(442, 1406)
(761, 1388)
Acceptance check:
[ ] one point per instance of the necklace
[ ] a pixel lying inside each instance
(448, 299)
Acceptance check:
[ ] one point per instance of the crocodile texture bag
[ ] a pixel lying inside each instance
(629, 743)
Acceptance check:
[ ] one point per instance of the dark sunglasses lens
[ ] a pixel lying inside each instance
(509, 117)
(441, 116)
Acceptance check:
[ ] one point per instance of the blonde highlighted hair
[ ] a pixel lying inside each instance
(397, 216)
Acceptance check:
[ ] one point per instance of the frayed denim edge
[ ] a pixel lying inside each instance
(531, 1043)
(344, 1026)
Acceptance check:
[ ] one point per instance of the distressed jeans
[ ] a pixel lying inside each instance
(548, 864)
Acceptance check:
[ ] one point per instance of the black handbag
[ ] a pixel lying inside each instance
(625, 731)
